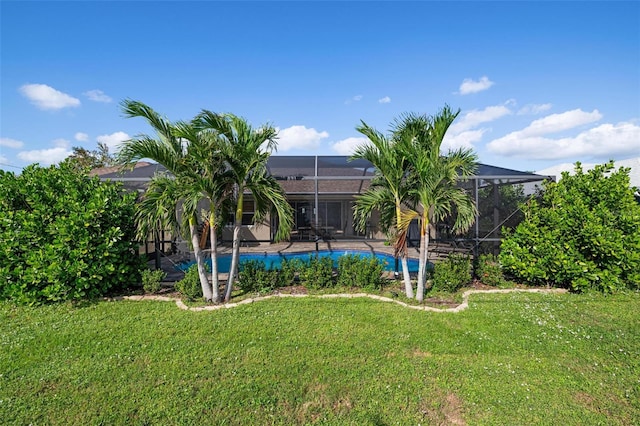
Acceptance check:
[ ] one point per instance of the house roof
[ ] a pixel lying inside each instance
(297, 174)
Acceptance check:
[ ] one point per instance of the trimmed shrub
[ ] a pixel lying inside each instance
(489, 270)
(452, 274)
(361, 272)
(317, 273)
(254, 277)
(190, 286)
(288, 270)
(65, 236)
(583, 233)
(151, 280)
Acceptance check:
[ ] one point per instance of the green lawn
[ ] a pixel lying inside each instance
(509, 359)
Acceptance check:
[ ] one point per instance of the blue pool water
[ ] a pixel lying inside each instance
(274, 260)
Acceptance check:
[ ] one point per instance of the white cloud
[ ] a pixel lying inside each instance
(4, 159)
(46, 97)
(529, 142)
(463, 132)
(384, 100)
(81, 137)
(299, 137)
(465, 139)
(601, 142)
(469, 86)
(559, 122)
(356, 98)
(11, 143)
(113, 140)
(534, 109)
(49, 156)
(61, 143)
(348, 145)
(476, 117)
(97, 96)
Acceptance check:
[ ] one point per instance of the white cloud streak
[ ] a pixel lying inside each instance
(463, 132)
(469, 86)
(113, 140)
(47, 157)
(97, 96)
(347, 146)
(604, 141)
(48, 98)
(559, 122)
(534, 109)
(476, 117)
(81, 137)
(300, 137)
(11, 143)
(356, 98)
(384, 100)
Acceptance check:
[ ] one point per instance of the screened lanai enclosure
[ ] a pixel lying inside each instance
(322, 192)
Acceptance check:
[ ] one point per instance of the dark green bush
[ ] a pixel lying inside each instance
(64, 236)
(288, 270)
(452, 274)
(317, 273)
(190, 286)
(151, 280)
(582, 233)
(361, 272)
(489, 270)
(254, 277)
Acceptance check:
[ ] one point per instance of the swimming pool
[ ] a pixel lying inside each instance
(274, 260)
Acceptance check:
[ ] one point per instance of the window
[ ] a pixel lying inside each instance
(248, 211)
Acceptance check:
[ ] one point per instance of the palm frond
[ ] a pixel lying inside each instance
(161, 125)
(374, 199)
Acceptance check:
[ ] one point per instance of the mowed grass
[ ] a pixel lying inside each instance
(509, 359)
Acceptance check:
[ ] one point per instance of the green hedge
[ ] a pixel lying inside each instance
(64, 236)
(582, 233)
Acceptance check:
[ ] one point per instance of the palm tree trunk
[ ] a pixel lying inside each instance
(422, 266)
(202, 273)
(235, 251)
(424, 256)
(408, 287)
(234, 262)
(215, 294)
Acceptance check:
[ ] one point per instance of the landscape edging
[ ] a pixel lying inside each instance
(461, 307)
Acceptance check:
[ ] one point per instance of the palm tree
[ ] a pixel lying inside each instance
(164, 193)
(387, 192)
(209, 181)
(246, 151)
(433, 180)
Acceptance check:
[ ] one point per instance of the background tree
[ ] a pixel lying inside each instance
(246, 151)
(65, 236)
(83, 159)
(582, 233)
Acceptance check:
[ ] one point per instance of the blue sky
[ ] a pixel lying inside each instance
(537, 83)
